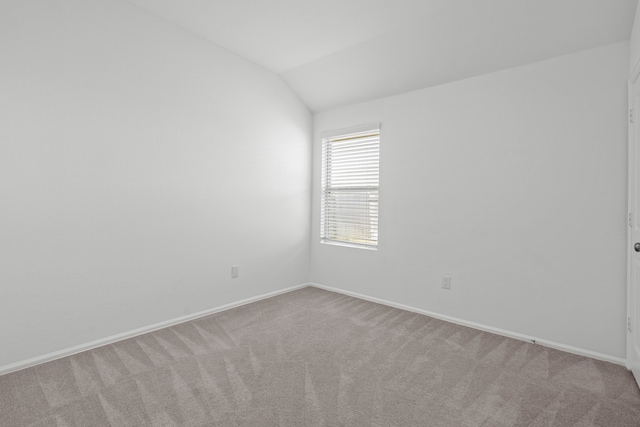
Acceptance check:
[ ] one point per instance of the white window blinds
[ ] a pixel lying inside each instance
(350, 169)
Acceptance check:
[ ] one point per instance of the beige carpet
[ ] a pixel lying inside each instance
(311, 358)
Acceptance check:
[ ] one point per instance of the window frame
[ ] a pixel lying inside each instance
(330, 194)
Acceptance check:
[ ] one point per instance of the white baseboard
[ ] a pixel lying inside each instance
(497, 331)
(130, 334)
(146, 329)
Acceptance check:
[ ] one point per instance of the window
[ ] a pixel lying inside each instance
(350, 169)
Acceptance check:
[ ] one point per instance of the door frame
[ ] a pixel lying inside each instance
(631, 322)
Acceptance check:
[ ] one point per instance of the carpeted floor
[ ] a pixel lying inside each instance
(311, 358)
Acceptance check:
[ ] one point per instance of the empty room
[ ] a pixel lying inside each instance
(319, 213)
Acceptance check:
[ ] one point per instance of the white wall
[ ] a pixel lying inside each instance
(635, 42)
(513, 183)
(138, 162)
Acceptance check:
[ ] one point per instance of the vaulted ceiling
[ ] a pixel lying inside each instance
(339, 52)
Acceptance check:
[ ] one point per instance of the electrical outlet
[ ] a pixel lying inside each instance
(235, 271)
(446, 282)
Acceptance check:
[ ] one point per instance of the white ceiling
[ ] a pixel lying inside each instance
(338, 52)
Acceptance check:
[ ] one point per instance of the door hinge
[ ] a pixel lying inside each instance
(631, 119)
(629, 324)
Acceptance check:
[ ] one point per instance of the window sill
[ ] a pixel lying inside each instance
(349, 245)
